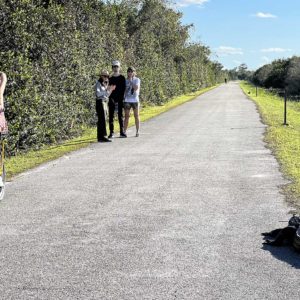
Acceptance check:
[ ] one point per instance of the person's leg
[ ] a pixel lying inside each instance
(127, 115)
(101, 125)
(121, 116)
(98, 122)
(137, 119)
(111, 113)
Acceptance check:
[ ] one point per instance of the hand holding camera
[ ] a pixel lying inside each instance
(111, 87)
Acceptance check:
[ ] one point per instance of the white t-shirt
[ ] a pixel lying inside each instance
(131, 95)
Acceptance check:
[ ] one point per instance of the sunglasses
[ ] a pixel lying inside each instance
(129, 71)
(115, 66)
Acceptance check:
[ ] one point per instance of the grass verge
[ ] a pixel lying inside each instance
(25, 161)
(284, 141)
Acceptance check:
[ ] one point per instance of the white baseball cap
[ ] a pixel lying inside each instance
(116, 63)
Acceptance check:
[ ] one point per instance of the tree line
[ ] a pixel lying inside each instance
(52, 52)
(280, 74)
(283, 74)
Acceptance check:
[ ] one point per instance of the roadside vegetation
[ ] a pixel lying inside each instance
(280, 75)
(25, 161)
(52, 52)
(283, 140)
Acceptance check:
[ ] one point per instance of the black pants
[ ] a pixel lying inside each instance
(101, 125)
(111, 113)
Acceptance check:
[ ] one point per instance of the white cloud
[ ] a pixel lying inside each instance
(276, 50)
(264, 15)
(182, 3)
(225, 51)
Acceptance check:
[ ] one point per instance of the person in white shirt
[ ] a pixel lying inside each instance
(103, 90)
(131, 99)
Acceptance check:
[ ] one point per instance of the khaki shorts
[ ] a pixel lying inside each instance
(133, 105)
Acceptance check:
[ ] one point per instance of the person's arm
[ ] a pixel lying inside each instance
(103, 92)
(136, 84)
(3, 80)
(123, 85)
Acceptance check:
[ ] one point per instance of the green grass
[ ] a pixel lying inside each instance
(25, 161)
(283, 140)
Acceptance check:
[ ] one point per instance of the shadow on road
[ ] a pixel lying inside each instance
(284, 253)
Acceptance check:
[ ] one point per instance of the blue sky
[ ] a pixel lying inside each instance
(254, 32)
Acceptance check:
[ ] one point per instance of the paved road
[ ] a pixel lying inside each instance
(174, 214)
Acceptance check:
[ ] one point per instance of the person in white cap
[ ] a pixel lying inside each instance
(103, 90)
(116, 98)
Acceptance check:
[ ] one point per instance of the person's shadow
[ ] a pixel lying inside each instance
(285, 253)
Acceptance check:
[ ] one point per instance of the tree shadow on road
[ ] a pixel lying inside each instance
(284, 253)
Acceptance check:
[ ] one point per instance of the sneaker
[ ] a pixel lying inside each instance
(104, 140)
(137, 134)
(123, 135)
(111, 136)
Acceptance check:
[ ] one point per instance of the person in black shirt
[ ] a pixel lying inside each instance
(116, 99)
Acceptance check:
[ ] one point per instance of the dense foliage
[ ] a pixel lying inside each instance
(53, 50)
(280, 74)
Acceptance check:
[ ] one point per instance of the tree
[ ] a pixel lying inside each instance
(293, 76)
(242, 72)
(52, 50)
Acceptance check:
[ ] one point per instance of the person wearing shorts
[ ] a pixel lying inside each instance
(131, 99)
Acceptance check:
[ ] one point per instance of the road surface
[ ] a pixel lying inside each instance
(174, 214)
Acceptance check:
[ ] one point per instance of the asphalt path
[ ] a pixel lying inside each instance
(174, 214)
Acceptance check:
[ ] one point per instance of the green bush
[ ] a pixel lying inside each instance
(53, 50)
